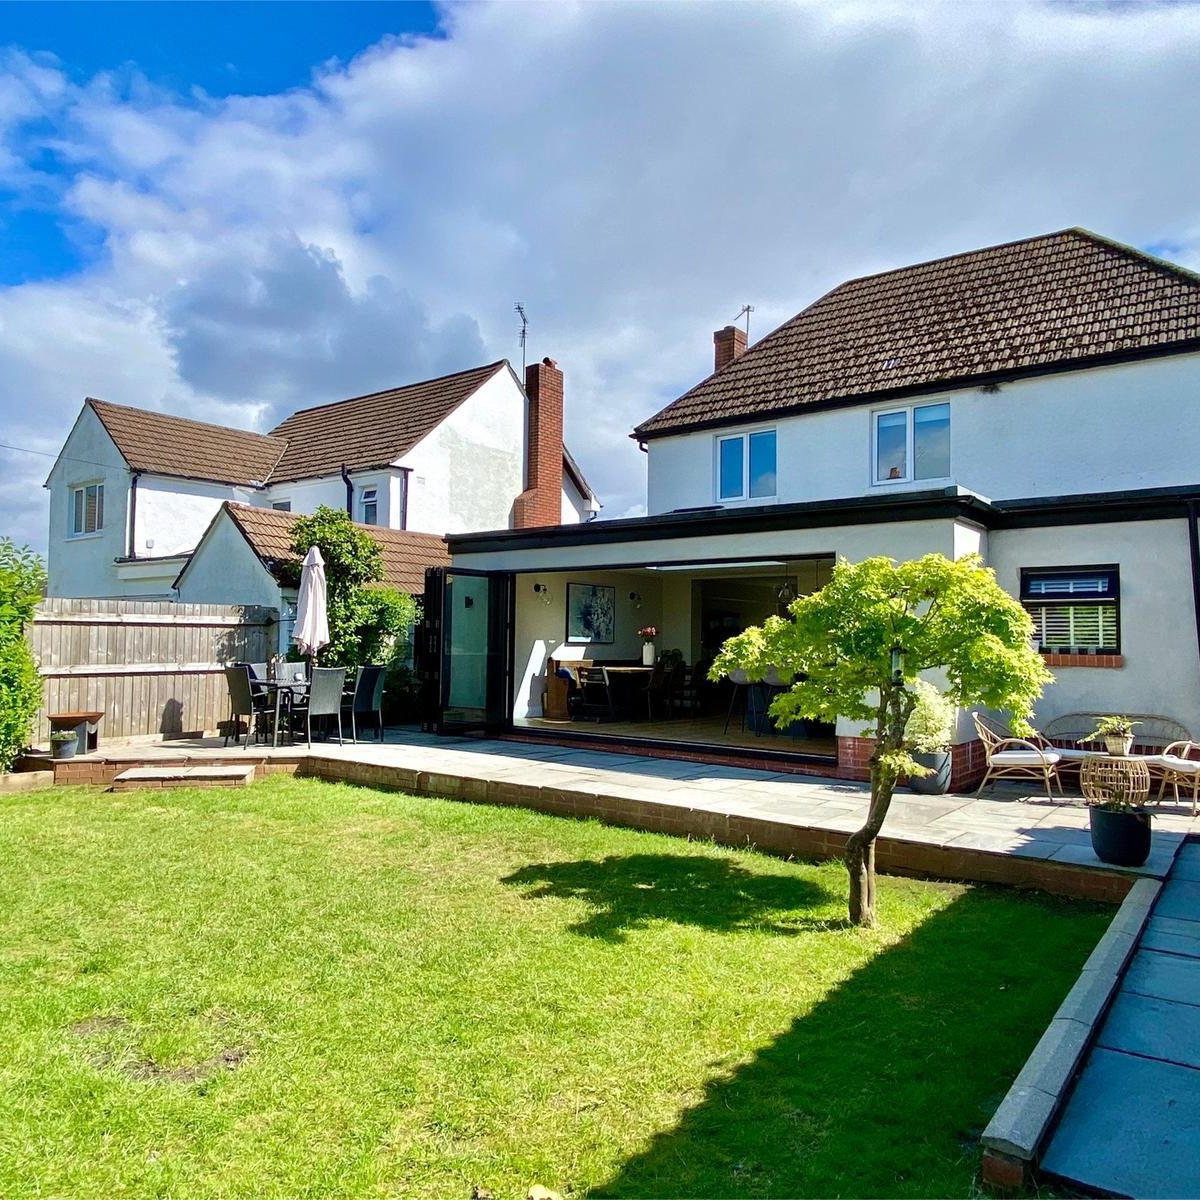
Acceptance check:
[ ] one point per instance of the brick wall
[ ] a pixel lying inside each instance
(541, 501)
(728, 343)
(967, 762)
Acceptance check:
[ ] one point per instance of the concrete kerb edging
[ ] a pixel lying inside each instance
(1017, 1132)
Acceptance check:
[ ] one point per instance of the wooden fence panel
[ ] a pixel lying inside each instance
(152, 666)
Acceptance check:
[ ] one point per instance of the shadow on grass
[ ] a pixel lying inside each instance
(628, 892)
(884, 1087)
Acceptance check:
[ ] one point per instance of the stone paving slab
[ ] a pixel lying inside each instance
(1005, 821)
(1136, 1133)
(1154, 1028)
(1180, 898)
(1164, 977)
(1172, 936)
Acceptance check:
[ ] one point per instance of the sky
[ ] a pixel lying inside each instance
(232, 210)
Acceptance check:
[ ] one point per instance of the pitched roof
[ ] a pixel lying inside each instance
(1062, 299)
(405, 554)
(373, 430)
(166, 445)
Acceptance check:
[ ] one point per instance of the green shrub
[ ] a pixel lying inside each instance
(22, 582)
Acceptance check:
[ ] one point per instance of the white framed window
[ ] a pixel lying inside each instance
(910, 443)
(87, 509)
(1075, 610)
(746, 466)
(281, 505)
(369, 506)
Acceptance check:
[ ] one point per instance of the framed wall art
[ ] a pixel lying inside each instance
(591, 613)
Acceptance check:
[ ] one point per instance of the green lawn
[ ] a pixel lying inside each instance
(312, 990)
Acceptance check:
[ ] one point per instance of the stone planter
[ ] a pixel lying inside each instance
(937, 784)
(1120, 836)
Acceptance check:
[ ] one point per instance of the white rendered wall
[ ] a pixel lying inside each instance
(1107, 429)
(84, 566)
(469, 470)
(174, 513)
(1161, 674)
(224, 570)
(574, 504)
(540, 629)
(307, 495)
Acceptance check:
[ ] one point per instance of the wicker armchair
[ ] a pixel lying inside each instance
(1011, 757)
(1175, 766)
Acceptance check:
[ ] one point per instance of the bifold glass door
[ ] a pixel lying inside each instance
(466, 650)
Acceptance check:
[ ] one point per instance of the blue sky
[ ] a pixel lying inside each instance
(230, 211)
(232, 47)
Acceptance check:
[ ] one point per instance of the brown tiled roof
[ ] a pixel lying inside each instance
(1060, 299)
(371, 431)
(405, 554)
(166, 445)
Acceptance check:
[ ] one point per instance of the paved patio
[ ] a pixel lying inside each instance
(1131, 1124)
(805, 815)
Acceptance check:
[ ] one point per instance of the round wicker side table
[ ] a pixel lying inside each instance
(1108, 778)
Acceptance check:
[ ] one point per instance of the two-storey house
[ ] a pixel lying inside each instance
(1032, 402)
(133, 493)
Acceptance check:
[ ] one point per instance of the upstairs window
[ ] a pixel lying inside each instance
(1075, 610)
(87, 509)
(370, 506)
(281, 505)
(746, 466)
(912, 443)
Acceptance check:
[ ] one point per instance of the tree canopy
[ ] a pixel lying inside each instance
(854, 648)
(367, 624)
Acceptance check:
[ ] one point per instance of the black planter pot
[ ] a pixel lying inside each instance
(1120, 837)
(937, 784)
(64, 749)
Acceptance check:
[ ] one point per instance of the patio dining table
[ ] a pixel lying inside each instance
(294, 687)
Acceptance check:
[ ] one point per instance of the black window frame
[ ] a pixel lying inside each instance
(1112, 595)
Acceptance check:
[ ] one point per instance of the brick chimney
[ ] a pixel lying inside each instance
(541, 501)
(729, 343)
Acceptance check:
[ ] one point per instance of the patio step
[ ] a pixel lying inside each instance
(170, 777)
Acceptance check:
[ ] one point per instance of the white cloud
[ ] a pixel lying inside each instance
(632, 173)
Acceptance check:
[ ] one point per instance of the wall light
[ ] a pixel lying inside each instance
(542, 592)
(786, 594)
(636, 599)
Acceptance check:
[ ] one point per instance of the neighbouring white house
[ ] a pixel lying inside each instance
(1035, 402)
(246, 551)
(133, 491)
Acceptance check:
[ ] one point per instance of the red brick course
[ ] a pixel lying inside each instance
(1083, 660)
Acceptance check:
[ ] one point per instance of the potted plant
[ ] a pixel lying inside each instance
(64, 743)
(1116, 732)
(1120, 826)
(648, 633)
(929, 735)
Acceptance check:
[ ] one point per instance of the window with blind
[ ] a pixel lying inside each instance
(87, 509)
(1075, 610)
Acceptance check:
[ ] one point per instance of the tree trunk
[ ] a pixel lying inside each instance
(894, 710)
